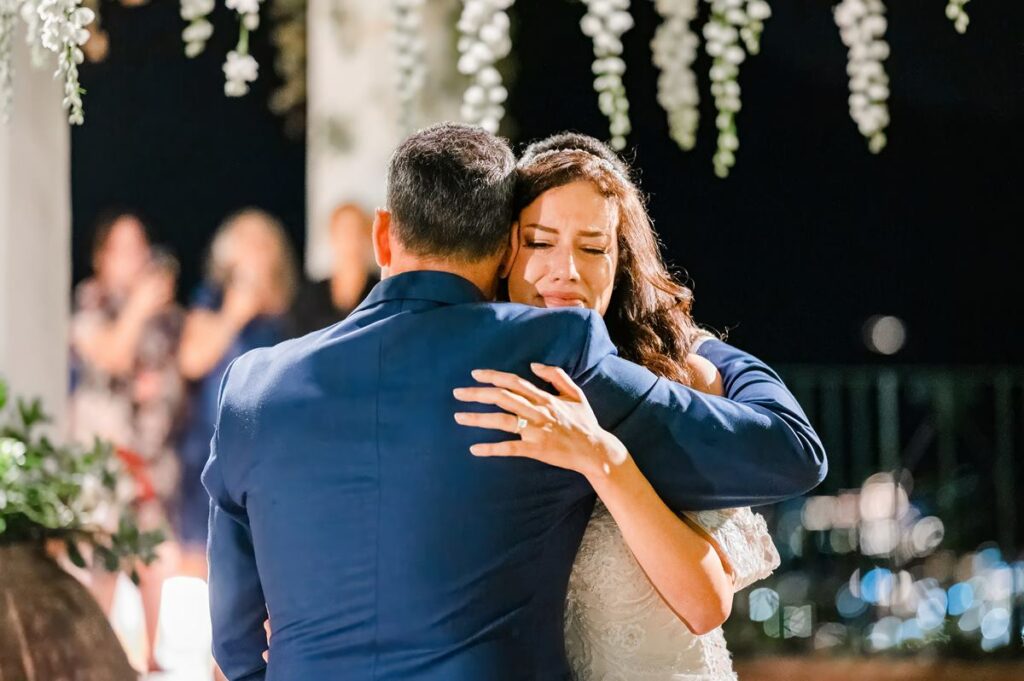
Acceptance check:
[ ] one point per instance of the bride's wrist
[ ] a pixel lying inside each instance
(610, 456)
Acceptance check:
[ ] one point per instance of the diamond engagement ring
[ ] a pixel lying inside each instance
(520, 424)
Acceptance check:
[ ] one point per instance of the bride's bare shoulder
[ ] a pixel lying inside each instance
(704, 375)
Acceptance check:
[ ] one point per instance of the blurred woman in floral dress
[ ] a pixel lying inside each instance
(125, 385)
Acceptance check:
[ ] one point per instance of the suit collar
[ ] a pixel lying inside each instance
(439, 287)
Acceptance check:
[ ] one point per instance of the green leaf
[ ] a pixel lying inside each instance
(3, 393)
(110, 560)
(134, 576)
(74, 554)
(3, 524)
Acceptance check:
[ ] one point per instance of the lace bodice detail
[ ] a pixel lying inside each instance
(617, 628)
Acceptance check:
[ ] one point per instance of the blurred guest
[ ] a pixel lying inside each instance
(242, 304)
(125, 383)
(353, 273)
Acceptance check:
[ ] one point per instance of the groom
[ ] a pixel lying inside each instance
(345, 502)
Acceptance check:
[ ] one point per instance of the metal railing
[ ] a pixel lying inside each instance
(958, 431)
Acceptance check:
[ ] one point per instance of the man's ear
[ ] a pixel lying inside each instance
(511, 252)
(382, 237)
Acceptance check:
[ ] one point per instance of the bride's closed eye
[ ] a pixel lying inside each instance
(530, 243)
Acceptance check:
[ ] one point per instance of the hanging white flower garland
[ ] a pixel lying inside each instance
(862, 27)
(199, 28)
(731, 21)
(410, 56)
(958, 15)
(63, 32)
(30, 15)
(484, 41)
(8, 19)
(605, 23)
(674, 49)
(241, 68)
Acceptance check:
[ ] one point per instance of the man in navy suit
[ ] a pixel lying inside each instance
(345, 502)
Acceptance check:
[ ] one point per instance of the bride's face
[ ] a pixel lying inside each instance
(568, 250)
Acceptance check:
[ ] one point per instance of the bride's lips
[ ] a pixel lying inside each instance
(563, 300)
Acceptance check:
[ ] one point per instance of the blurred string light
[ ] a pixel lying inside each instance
(764, 603)
(884, 633)
(910, 631)
(960, 597)
(916, 592)
(830, 635)
(848, 604)
(884, 334)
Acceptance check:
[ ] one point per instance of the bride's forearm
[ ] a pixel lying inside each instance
(681, 563)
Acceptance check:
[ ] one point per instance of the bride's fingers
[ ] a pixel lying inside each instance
(500, 397)
(493, 420)
(557, 377)
(507, 448)
(514, 383)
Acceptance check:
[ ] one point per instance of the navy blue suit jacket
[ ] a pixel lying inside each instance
(344, 496)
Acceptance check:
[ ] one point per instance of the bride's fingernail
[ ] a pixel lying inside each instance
(476, 373)
(475, 450)
(459, 417)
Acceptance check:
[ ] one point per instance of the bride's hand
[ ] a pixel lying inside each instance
(560, 430)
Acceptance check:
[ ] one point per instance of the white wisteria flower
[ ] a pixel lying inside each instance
(605, 23)
(240, 69)
(8, 20)
(63, 31)
(484, 41)
(199, 28)
(862, 27)
(674, 50)
(30, 15)
(248, 10)
(409, 50)
(730, 22)
(957, 13)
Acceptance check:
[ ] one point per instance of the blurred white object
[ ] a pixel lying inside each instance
(184, 634)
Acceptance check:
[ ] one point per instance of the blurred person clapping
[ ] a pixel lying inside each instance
(241, 305)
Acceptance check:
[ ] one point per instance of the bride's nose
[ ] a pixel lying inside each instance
(564, 266)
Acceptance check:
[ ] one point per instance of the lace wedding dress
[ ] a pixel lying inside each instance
(617, 628)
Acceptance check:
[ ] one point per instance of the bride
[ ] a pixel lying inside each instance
(649, 589)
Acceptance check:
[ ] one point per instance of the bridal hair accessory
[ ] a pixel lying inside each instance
(603, 162)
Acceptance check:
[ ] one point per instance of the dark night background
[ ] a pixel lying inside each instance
(809, 236)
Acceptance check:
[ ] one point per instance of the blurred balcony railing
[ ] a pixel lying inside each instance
(958, 431)
(913, 543)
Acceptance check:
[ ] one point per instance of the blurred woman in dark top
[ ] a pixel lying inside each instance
(241, 305)
(353, 273)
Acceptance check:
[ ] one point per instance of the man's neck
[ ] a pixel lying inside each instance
(483, 274)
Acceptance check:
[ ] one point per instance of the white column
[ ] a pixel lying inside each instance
(353, 107)
(35, 236)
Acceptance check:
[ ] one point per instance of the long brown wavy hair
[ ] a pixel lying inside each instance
(649, 314)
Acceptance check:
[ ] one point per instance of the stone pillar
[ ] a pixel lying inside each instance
(35, 236)
(353, 107)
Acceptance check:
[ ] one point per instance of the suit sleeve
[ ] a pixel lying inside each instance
(702, 452)
(237, 606)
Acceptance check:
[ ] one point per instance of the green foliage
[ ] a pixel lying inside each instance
(80, 495)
